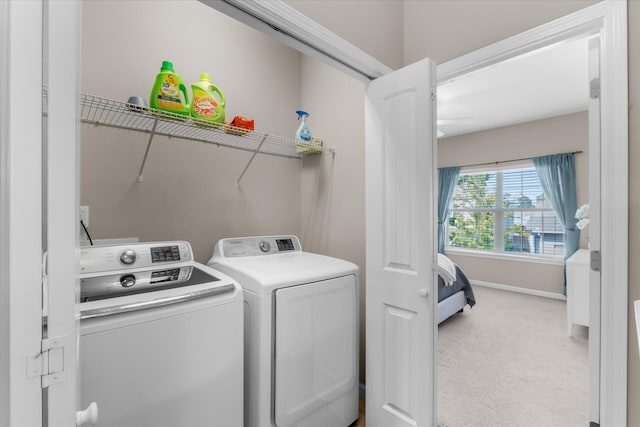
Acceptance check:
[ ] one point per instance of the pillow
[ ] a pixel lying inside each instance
(446, 270)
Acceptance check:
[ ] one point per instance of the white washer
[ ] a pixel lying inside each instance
(301, 332)
(161, 338)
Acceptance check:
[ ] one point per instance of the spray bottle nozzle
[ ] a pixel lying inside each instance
(301, 114)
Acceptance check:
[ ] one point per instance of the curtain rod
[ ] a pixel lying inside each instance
(514, 160)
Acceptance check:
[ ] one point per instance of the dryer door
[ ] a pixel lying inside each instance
(316, 346)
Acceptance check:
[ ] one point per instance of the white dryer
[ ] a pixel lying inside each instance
(301, 331)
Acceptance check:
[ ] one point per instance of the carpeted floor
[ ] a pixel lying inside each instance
(508, 362)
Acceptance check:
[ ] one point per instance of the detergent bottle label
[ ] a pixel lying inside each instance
(169, 94)
(203, 104)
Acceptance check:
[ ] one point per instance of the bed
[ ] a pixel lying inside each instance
(454, 289)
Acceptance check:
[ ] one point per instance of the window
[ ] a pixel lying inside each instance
(504, 211)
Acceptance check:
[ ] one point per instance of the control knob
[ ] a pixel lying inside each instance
(128, 281)
(128, 257)
(264, 246)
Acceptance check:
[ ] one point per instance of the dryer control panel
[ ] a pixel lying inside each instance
(94, 259)
(255, 246)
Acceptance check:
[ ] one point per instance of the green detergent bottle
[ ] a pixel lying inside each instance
(169, 93)
(205, 108)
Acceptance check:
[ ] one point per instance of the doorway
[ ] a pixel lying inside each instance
(528, 122)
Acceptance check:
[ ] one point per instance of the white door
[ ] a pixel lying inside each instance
(594, 229)
(400, 117)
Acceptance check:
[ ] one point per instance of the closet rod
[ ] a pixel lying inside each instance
(512, 160)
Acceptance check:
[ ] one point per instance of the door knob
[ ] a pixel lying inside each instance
(90, 414)
(424, 292)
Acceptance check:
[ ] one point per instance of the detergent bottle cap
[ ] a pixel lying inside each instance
(167, 66)
(205, 77)
(301, 114)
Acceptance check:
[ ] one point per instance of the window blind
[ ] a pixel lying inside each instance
(504, 211)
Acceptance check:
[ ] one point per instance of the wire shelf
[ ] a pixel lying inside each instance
(107, 112)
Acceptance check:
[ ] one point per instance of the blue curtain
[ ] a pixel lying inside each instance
(447, 180)
(558, 178)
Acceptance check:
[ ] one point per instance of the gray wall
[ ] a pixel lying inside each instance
(376, 27)
(333, 221)
(443, 29)
(333, 213)
(189, 188)
(561, 134)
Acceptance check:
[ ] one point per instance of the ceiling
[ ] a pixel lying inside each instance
(548, 82)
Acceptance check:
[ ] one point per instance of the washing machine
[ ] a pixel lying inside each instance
(161, 338)
(301, 331)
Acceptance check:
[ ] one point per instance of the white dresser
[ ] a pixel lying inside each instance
(578, 289)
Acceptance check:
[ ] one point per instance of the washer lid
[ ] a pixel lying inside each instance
(208, 283)
(264, 274)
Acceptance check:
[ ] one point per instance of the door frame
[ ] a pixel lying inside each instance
(61, 186)
(609, 20)
(20, 210)
(39, 44)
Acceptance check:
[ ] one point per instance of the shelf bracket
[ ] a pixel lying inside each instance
(146, 153)
(264, 138)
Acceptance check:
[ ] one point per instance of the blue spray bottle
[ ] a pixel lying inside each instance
(303, 134)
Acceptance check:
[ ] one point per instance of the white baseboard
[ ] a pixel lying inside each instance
(527, 291)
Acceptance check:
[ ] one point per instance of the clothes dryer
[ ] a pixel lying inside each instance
(301, 331)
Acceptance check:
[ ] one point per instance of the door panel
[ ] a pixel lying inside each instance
(316, 344)
(401, 236)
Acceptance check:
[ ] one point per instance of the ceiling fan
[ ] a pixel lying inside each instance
(460, 121)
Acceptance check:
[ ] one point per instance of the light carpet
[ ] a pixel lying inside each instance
(508, 362)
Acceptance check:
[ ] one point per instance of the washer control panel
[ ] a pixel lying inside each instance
(94, 259)
(254, 246)
(95, 287)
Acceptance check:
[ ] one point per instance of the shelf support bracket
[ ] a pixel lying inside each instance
(146, 153)
(264, 138)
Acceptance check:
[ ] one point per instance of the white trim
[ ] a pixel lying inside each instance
(296, 30)
(609, 19)
(595, 230)
(503, 256)
(20, 210)
(5, 250)
(518, 289)
(62, 207)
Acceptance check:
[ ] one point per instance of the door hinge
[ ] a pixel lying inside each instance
(49, 362)
(596, 260)
(594, 88)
